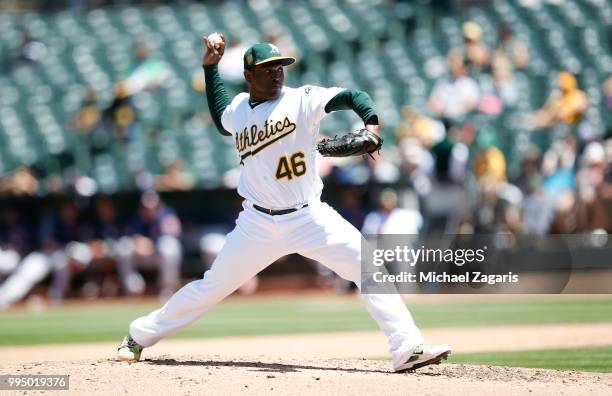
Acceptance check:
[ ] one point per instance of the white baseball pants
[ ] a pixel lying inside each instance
(317, 232)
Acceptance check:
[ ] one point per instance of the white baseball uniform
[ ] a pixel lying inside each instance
(276, 146)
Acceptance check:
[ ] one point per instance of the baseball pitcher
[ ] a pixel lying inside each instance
(275, 130)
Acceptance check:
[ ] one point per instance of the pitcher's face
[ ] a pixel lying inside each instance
(265, 81)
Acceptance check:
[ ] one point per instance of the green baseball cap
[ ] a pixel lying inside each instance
(261, 53)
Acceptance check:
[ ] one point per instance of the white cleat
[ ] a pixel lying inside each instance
(424, 355)
(129, 350)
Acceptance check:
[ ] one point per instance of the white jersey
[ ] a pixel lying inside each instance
(276, 145)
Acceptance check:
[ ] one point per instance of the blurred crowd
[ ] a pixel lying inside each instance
(447, 165)
(117, 126)
(443, 169)
(94, 248)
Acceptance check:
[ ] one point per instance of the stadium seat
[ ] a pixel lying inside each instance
(396, 51)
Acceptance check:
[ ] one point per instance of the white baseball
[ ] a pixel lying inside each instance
(215, 39)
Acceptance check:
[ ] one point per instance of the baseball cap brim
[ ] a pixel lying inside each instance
(285, 60)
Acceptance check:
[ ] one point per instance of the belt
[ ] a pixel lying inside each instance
(272, 212)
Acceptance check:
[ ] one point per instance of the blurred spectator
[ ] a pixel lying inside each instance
(62, 238)
(415, 125)
(350, 170)
(231, 65)
(107, 231)
(60, 255)
(439, 175)
(452, 153)
(351, 207)
(591, 172)
(497, 205)
(89, 115)
(22, 181)
(9, 258)
(198, 82)
(538, 211)
(107, 226)
(88, 122)
(559, 183)
(391, 219)
(490, 165)
(29, 52)
(607, 88)
(513, 48)
(595, 188)
(558, 168)
(477, 52)
(383, 170)
(417, 165)
(121, 116)
(175, 178)
(147, 73)
(530, 178)
(567, 104)
(500, 90)
(416, 134)
(152, 241)
(454, 97)
(14, 241)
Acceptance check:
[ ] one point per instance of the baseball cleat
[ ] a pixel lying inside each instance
(424, 355)
(129, 350)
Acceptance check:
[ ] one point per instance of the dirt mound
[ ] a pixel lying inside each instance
(255, 375)
(324, 363)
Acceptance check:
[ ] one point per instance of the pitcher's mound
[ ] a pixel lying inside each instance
(258, 375)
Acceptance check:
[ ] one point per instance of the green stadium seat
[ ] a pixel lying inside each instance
(396, 51)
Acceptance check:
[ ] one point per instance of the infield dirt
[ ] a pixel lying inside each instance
(322, 364)
(259, 375)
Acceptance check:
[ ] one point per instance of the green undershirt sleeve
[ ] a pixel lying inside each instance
(217, 96)
(358, 101)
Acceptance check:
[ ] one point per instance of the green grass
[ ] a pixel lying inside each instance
(597, 359)
(286, 314)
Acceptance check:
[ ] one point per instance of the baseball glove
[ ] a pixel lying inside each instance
(359, 142)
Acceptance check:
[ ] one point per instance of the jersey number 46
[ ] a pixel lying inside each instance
(292, 166)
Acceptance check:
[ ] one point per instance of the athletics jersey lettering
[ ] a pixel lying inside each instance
(252, 136)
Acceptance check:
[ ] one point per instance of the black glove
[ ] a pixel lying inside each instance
(359, 142)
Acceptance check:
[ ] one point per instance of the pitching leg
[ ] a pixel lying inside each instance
(335, 243)
(248, 249)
